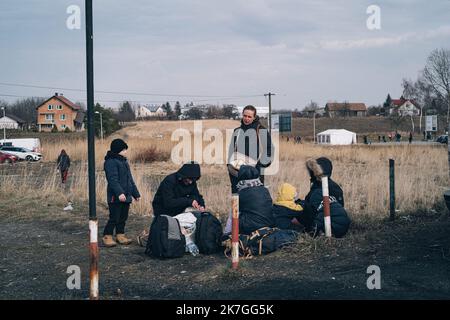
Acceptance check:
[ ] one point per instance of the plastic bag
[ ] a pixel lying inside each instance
(188, 223)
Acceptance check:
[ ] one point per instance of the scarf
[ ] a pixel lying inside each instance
(244, 184)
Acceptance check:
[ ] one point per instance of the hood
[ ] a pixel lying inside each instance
(286, 192)
(286, 197)
(112, 155)
(248, 173)
(189, 170)
(318, 168)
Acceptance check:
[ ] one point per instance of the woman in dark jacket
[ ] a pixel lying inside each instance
(63, 164)
(255, 203)
(120, 193)
(252, 140)
(340, 222)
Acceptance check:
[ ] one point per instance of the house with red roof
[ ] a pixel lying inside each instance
(404, 107)
(59, 112)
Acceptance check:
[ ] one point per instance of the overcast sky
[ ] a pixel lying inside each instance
(301, 50)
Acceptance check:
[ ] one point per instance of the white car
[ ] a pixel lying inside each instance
(21, 153)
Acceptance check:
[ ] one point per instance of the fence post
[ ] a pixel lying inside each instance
(93, 246)
(392, 189)
(326, 207)
(235, 231)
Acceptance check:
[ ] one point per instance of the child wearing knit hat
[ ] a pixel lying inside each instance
(121, 190)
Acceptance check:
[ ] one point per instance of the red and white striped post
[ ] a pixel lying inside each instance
(93, 223)
(326, 207)
(235, 232)
(93, 250)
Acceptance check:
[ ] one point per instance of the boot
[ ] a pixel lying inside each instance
(108, 241)
(122, 239)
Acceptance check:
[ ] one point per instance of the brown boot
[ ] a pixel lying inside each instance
(108, 241)
(121, 239)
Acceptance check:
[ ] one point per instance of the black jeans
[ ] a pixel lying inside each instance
(118, 215)
(234, 181)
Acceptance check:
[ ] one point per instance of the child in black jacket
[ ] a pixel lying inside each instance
(290, 213)
(120, 193)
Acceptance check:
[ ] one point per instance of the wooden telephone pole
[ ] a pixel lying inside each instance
(269, 118)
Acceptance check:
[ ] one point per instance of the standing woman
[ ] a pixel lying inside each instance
(120, 193)
(63, 164)
(253, 140)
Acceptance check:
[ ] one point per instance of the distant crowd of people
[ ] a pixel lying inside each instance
(392, 136)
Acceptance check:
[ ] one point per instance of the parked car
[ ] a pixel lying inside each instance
(21, 153)
(442, 139)
(7, 158)
(33, 144)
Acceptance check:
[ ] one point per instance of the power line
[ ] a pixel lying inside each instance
(120, 101)
(125, 92)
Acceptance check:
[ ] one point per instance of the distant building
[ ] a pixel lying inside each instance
(336, 137)
(150, 111)
(59, 112)
(345, 109)
(10, 121)
(404, 107)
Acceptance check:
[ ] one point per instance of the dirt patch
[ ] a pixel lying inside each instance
(413, 254)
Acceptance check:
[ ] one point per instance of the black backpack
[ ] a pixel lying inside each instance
(208, 233)
(267, 240)
(262, 241)
(165, 239)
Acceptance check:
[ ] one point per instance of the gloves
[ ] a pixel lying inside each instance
(192, 248)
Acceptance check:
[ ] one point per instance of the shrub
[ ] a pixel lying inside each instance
(151, 154)
(54, 129)
(67, 130)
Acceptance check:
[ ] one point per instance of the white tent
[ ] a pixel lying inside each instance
(336, 136)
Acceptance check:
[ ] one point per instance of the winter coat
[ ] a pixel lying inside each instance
(255, 203)
(241, 142)
(173, 196)
(120, 180)
(63, 162)
(286, 208)
(340, 222)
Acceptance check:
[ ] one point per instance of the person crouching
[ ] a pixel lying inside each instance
(255, 202)
(290, 213)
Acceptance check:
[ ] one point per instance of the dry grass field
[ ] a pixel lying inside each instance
(39, 240)
(361, 170)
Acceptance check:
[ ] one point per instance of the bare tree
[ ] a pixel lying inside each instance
(312, 106)
(437, 75)
(25, 109)
(311, 109)
(396, 120)
(412, 91)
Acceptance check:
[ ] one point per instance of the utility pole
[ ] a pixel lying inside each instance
(314, 122)
(4, 125)
(269, 119)
(314, 126)
(101, 124)
(93, 222)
